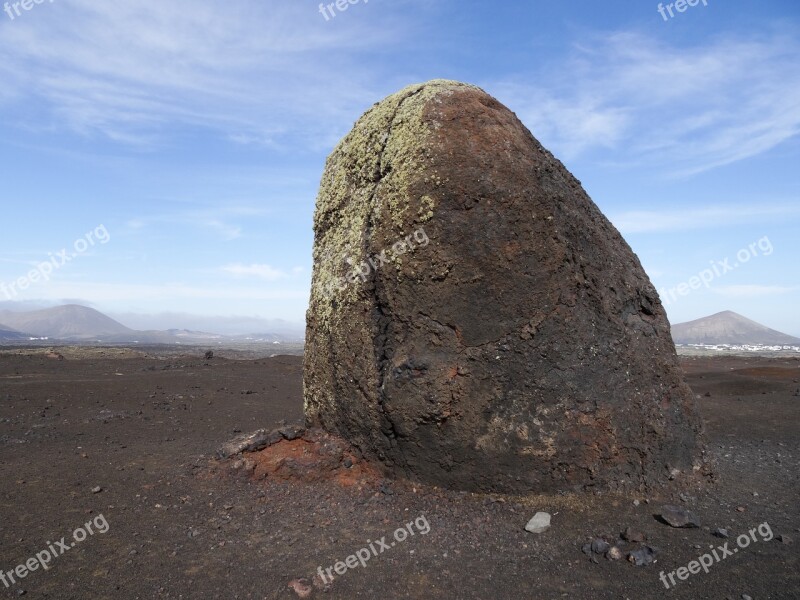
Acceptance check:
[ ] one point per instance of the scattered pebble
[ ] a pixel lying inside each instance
(675, 516)
(784, 539)
(720, 532)
(643, 556)
(301, 587)
(539, 523)
(97, 489)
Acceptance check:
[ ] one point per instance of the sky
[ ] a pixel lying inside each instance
(175, 148)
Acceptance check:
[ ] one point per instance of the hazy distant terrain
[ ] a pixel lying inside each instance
(75, 324)
(80, 324)
(10, 334)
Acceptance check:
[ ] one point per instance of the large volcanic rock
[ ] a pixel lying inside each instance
(475, 321)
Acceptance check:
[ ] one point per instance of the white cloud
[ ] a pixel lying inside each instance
(259, 271)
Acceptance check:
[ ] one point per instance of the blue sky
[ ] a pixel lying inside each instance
(195, 133)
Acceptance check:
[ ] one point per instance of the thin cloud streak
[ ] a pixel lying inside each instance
(642, 102)
(125, 71)
(710, 217)
(750, 291)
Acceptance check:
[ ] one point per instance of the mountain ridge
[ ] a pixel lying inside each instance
(728, 327)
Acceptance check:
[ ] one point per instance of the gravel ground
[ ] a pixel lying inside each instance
(143, 429)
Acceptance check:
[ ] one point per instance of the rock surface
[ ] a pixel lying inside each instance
(475, 321)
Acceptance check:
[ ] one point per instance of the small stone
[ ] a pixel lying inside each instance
(707, 394)
(97, 489)
(784, 539)
(675, 516)
(632, 535)
(243, 443)
(539, 523)
(600, 546)
(740, 509)
(614, 553)
(746, 597)
(292, 432)
(642, 557)
(301, 587)
(209, 355)
(347, 463)
(720, 532)
(636, 503)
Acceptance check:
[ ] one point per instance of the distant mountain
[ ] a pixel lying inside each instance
(729, 328)
(69, 322)
(8, 334)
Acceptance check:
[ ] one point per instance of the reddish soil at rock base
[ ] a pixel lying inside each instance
(315, 457)
(184, 525)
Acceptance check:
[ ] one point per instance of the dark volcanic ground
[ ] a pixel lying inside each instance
(143, 430)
